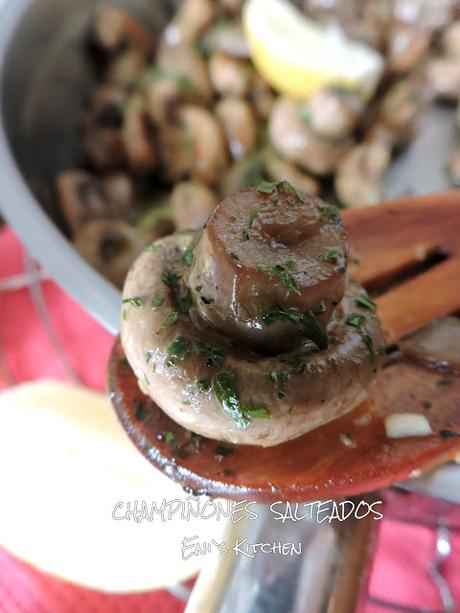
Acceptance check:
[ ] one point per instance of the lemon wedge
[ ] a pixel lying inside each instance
(298, 56)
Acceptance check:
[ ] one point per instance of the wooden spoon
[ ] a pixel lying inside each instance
(350, 455)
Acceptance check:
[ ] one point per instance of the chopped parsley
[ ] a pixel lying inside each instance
(149, 355)
(355, 319)
(185, 304)
(155, 303)
(169, 437)
(268, 187)
(234, 256)
(151, 248)
(170, 278)
(223, 452)
(171, 319)
(332, 256)
(448, 434)
(368, 341)
(279, 378)
(256, 412)
(253, 215)
(330, 211)
(224, 386)
(270, 316)
(296, 360)
(305, 115)
(215, 357)
(279, 272)
(314, 330)
(187, 256)
(178, 350)
(364, 301)
(245, 235)
(204, 385)
(139, 409)
(136, 301)
(320, 309)
(225, 390)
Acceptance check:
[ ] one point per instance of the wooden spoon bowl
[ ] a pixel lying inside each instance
(350, 455)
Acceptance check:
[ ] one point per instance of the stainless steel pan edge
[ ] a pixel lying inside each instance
(20, 208)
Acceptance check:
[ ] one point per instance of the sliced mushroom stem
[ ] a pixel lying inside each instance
(267, 249)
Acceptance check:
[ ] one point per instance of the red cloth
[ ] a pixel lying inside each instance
(403, 552)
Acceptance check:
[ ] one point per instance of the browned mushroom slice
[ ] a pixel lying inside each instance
(238, 121)
(332, 113)
(451, 39)
(443, 75)
(175, 151)
(407, 47)
(230, 76)
(111, 247)
(126, 69)
(436, 346)
(191, 204)
(186, 64)
(227, 37)
(81, 198)
(358, 180)
(84, 198)
(202, 133)
(231, 7)
(400, 109)
(114, 28)
(103, 147)
(261, 96)
(119, 189)
(137, 137)
(191, 19)
(106, 106)
(293, 137)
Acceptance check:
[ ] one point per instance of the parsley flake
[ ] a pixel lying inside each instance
(171, 319)
(187, 256)
(136, 301)
(355, 319)
(279, 272)
(170, 278)
(203, 385)
(178, 350)
(364, 301)
(185, 304)
(256, 412)
(155, 303)
(330, 211)
(224, 386)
